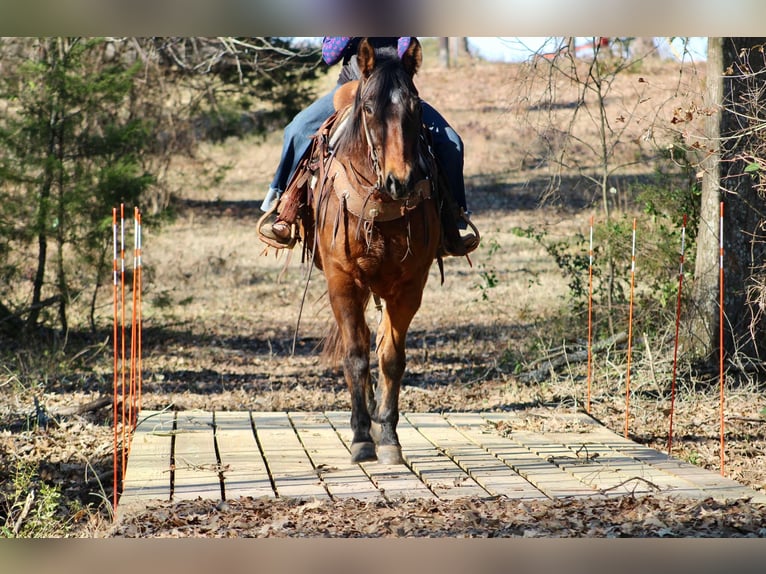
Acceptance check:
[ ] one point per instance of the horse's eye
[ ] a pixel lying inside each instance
(367, 107)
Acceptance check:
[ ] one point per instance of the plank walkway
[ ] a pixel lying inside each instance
(226, 455)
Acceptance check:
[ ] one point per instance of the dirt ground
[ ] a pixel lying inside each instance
(221, 313)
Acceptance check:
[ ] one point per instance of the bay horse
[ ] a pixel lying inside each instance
(374, 230)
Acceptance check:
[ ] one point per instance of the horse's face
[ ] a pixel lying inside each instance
(389, 109)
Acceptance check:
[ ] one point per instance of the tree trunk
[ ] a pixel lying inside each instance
(464, 48)
(731, 79)
(703, 317)
(454, 50)
(43, 214)
(61, 226)
(50, 60)
(744, 237)
(451, 48)
(444, 52)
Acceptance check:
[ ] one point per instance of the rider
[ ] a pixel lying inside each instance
(447, 144)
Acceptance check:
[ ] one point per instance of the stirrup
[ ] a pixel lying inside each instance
(475, 239)
(270, 239)
(464, 244)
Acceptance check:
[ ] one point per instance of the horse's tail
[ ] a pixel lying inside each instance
(332, 344)
(332, 347)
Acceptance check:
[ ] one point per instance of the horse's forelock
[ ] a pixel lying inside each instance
(388, 75)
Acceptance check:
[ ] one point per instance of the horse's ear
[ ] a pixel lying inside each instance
(412, 57)
(365, 57)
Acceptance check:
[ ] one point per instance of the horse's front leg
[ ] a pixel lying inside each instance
(391, 340)
(348, 303)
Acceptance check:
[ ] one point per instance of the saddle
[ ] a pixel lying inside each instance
(319, 165)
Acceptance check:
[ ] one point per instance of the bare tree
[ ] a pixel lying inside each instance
(574, 90)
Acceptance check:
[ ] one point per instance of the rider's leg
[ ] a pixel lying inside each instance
(297, 140)
(448, 149)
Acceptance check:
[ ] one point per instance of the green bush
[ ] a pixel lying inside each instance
(31, 508)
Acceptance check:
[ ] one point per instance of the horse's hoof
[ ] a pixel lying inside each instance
(390, 454)
(363, 452)
(375, 431)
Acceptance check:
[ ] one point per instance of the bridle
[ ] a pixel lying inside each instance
(373, 155)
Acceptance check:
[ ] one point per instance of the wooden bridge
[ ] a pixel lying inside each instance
(226, 455)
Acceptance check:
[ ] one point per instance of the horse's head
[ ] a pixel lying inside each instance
(387, 115)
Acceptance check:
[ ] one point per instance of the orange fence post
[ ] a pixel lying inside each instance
(133, 348)
(630, 328)
(675, 348)
(128, 396)
(115, 381)
(590, 312)
(122, 329)
(139, 373)
(721, 373)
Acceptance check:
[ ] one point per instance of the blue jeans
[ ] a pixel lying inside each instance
(448, 147)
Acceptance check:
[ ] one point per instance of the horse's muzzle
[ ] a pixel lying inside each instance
(398, 189)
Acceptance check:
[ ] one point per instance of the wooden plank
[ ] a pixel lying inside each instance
(289, 466)
(565, 450)
(655, 467)
(486, 469)
(585, 469)
(196, 466)
(638, 477)
(445, 478)
(544, 475)
(599, 480)
(331, 458)
(242, 466)
(393, 481)
(708, 482)
(147, 476)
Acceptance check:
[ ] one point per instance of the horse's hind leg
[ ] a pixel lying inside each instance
(392, 334)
